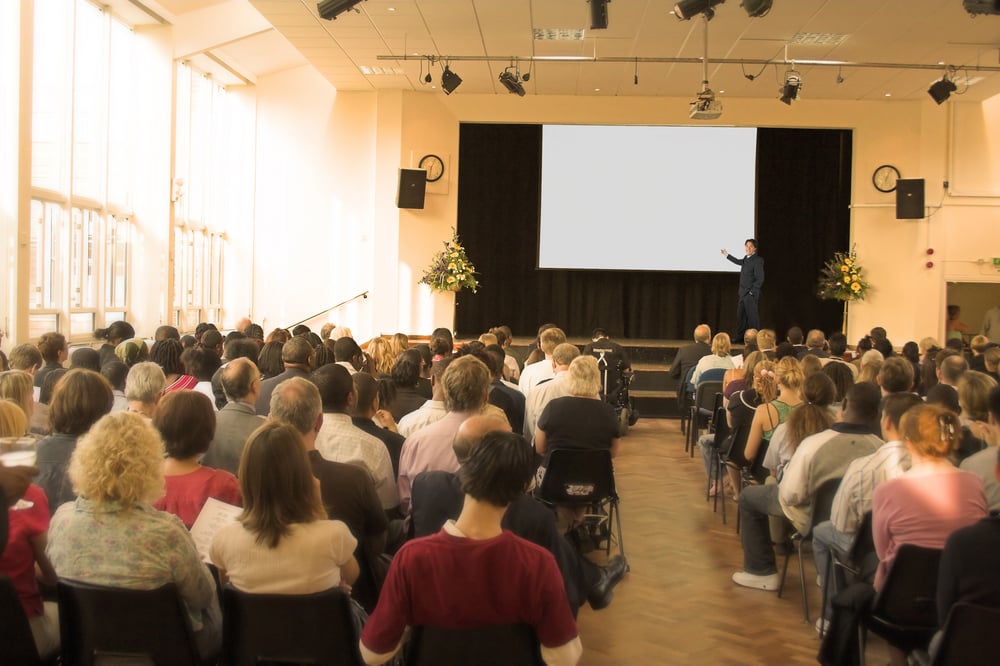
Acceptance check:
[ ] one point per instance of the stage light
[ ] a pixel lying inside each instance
(331, 9)
(941, 90)
(705, 106)
(793, 83)
(685, 9)
(449, 80)
(599, 14)
(755, 8)
(511, 82)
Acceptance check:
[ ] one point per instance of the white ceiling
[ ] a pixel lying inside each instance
(908, 32)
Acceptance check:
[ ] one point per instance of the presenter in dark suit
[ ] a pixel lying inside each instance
(751, 280)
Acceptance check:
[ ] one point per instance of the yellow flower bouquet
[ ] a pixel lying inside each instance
(450, 269)
(842, 278)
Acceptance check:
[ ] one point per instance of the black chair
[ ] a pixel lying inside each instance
(721, 431)
(17, 645)
(585, 478)
(860, 561)
(822, 505)
(489, 645)
(685, 396)
(733, 456)
(904, 612)
(966, 637)
(99, 624)
(701, 411)
(288, 628)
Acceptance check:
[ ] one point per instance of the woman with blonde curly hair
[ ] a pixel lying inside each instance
(382, 356)
(112, 536)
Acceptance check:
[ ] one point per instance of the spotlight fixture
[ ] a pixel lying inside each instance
(756, 8)
(793, 83)
(511, 82)
(599, 14)
(331, 9)
(705, 106)
(685, 9)
(428, 78)
(941, 90)
(449, 80)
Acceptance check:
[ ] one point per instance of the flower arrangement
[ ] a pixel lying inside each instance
(842, 278)
(450, 269)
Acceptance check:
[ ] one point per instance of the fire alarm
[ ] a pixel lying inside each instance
(930, 264)
(930, 250)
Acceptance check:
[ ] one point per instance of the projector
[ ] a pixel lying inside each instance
(705, 106)
(982, 6)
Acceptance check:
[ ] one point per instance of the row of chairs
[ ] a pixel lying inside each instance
(103, 625)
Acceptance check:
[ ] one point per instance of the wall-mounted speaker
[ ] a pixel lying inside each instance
(412, 186)
(910, 199)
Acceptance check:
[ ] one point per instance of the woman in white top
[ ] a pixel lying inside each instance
(282, 543)
(719, 358)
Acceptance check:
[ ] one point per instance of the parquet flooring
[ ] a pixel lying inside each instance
(678, 605)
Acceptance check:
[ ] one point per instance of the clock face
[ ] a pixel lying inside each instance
(884, 178)
(433, 165)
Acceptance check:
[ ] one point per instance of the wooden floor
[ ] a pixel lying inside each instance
(678, 605)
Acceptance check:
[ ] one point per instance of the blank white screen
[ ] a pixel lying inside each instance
(645, 198)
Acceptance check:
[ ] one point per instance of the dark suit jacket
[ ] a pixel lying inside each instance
(267, 388)
(393, 440)
(688, 357)
(511, 401)
(751, 274)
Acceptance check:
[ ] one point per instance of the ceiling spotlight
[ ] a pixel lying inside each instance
(449, 80)
(331, 9)
(599, 14)
(428, 78)
(705, 106)
(941, 90)
(793, 83)
(511, 82)
(756, 8)
(685, 9)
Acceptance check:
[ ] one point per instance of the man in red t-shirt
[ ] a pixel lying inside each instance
(473, 573)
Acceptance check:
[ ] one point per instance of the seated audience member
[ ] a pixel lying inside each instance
(502, 395)
(869, 365)
(426, 366)
(433, 409)
(536, 373)
(612, 360)
(511, 362)
(813, 416)
(115, 334)
(405, 376)
(749, 347)
(283, 542)
(347, 490)
(443, 580)
(843, 378)
(166, 332)
(167, 354)
(144, 387)
(380, 352)
(278, 335)
(213, 341)
(837, 344)
(911, 352)
(766, 342)
(132, 351)
(442, 344)
(901, 512)
(28, 524)
(896, 376)
(399, 343)
(787, 376)
(546, 392)
(815, 345)
(437, 498)
(984, 462)
(367, 408)
(238, 419)
(349, 355)
(111, 528)
(737, 378)
(719, 358)
(786, 350)
(296, 359)
(16, 386)
(992, 362)
(810, 364)
(978, 345)
(340, 440)
(39, 423)
(269, 359)
(821, 457)
(950, 367)
(116, 373)
(80, 398)
(241, 347)
(466, 383)
(186, 423)
(688, 356)
(202, 363)
(54, 351)
(974, 399)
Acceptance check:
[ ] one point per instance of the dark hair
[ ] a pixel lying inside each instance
(994, 403)
(79, 400)
(386, 393)
(864, 344)
(200, 362)
(24, 357)
(794, 335)
(500, 334)
(897, 404)
(498, 469)
(235, 335)
(188, 341)
(269, 360)
(201, 328)
(277, 483)
(405, 372)
(883, 345)
(50, 345)
(115, 372)
(254, 331)
(323, 354)
(842, 376)
(186, 422)
(166, 353)
(442, 343)
(426, 356)
(86, 358)
(911, 352)
(49, 384)
(366, 387)
(335, 386)
(211, 339)
(863, 400)
(752, 241)
(116, 332)
(241, 348)
(166, 332)
(346, 349)
(599, 333)
(955, 343)
(300, 329)
(837, 343)
(784, 349)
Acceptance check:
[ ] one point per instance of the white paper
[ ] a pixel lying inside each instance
(213, 517)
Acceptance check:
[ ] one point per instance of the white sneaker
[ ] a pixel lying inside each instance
(768, 582)
(819, 581)
(821, 626)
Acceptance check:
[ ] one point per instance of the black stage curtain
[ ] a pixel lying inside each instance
(803, 217)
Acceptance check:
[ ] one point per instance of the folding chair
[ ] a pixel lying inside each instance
(701, 411)
(289, 628)
(98, 623)
(488, 645)
(822, 505)
(17, 645)
(721, 431)
(685, 395)
(860, 561)
(734, 455)
(585, 478)
(962, 641)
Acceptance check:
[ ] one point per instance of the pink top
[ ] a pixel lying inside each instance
(186, 493)
(923, 511)
(18, 561)
(181, 383)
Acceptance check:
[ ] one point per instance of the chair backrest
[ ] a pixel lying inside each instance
(96, 621)
(722, 428)
(16, 643)
(578, 476)
(967, 628)
(863, 553)
(711, 375)
(489, 645)
(288, 628)
(908, 594)
(704, 395)
(738, 447)
(823, 501)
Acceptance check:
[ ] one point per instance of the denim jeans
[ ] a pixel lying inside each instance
(756, 504)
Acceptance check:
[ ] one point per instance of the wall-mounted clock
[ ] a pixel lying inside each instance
(884, 178)
(433, 165)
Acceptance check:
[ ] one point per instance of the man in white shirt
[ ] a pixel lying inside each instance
(538, 372)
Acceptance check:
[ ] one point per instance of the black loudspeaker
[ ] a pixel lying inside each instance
(412, 185)
(910, 199)
(598, 14)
